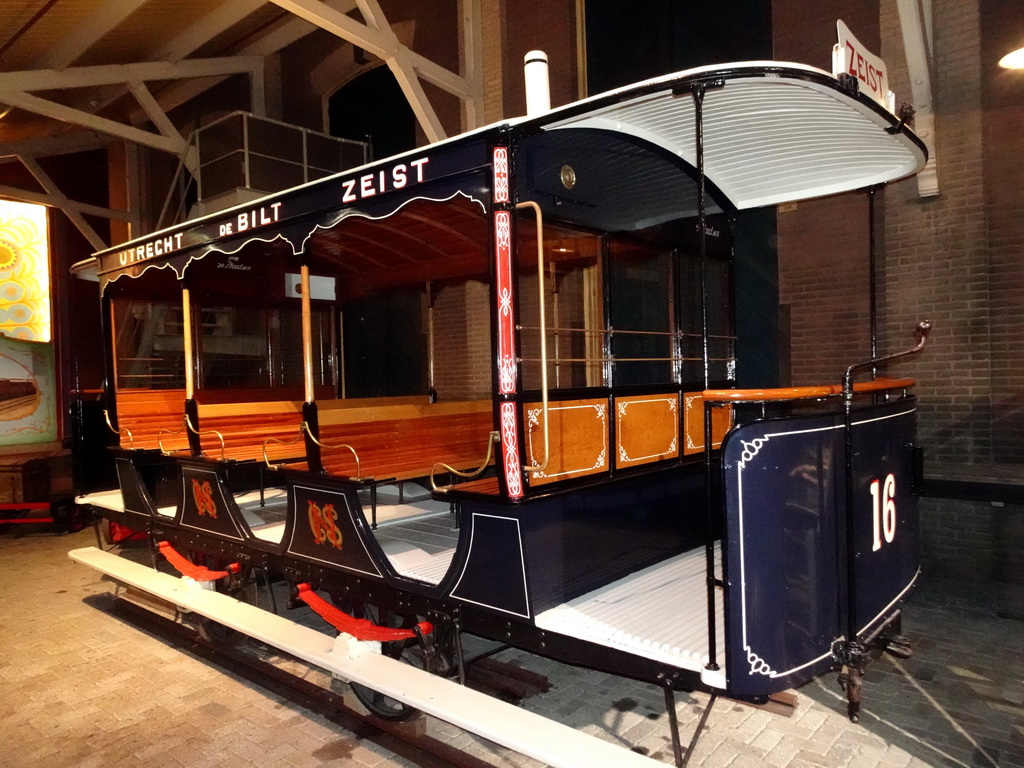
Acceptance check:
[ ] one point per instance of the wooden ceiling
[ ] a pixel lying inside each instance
(424, 241)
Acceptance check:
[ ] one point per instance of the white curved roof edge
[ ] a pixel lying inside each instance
(86, 269)
(553, 119)
(776, 132)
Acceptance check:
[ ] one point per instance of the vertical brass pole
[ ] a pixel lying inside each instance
(430, 338)
(307, 336)
(341, 353)
(186, 311)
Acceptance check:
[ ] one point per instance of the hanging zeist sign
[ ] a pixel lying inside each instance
(851, 57)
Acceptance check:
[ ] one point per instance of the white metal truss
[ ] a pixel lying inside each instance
(16, 91)
(48, 146)
(169, 62)
(54, 198)
(376, 37)
(916, 22)
(213, 24)
(186, 42)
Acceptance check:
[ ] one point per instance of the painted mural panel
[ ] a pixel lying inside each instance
(24, 272)
(27, 408)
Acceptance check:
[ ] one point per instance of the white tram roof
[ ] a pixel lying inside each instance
(774, 132)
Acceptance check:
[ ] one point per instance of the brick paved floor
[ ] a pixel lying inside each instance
(81, 687)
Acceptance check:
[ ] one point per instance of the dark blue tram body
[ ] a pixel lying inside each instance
(557, 291)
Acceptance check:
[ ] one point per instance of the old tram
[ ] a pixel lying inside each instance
(488, 386)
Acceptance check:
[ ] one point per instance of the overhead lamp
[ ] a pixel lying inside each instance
(1013, 60)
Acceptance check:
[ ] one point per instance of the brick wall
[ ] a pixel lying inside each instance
(462, 342)
(958, 539)
(824, 280)
(955, 259)
(937, 262)
(493, 34)
(1003, 103)
(823, 244)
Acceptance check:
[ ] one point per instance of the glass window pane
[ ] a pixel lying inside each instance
(149, 345)
(640, 282)
(721, 338)
(289, 347)
(572, 305)
(234, 349)
(385, 345)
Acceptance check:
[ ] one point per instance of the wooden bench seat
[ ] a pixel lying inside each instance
(145, 413)
(487, 486)
(403, 442)
(246, 426)
(397, 438)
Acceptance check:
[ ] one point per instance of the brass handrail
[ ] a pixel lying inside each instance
(119, 430)
(305, 428)
(613, 359)
(160, 439)
(194, 431)
(279, 441)
(492, 438)
(622, 332)
(802, 393)
(534, 468)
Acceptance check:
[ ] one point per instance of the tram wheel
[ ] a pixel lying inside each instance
(408, 651)
(216, 633)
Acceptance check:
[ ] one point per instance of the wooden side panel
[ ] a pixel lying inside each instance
(647, 429)
(693, 423)
(578, 431)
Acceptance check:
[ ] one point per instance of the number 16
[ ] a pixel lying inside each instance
(883, 517)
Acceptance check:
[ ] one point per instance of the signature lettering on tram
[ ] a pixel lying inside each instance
(322, 524)
(203, 495)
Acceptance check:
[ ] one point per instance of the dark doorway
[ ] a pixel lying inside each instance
(373, 105)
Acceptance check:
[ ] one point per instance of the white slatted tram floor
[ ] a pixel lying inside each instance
(419, 545)
(659, 613)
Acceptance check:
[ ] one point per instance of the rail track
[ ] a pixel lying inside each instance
(289, 678)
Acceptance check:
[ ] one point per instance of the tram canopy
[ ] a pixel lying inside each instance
(772, 133)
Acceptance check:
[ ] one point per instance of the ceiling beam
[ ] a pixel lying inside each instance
(153, 110)
(47, 146)
(376, 37)
(60, 200)
(471, 36)
(188, 41)
(101, 22)
(338, 24)
(163, 123)
(41, 198)
(84, 77)
(286, 34)
(55, 111)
